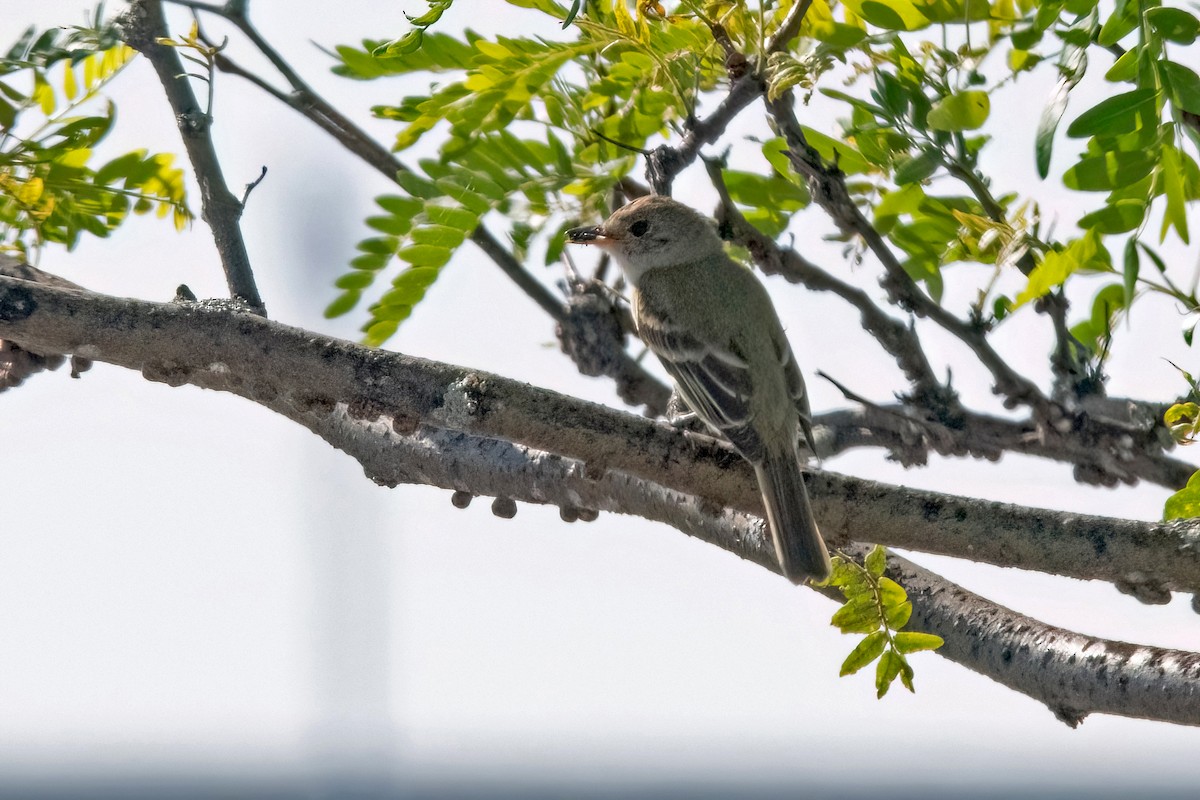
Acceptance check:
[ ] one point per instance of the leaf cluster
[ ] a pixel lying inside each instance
(528, 128)
(879, 607)
(52, 189)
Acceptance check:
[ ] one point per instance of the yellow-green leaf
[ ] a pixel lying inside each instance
(963, 111)
(1186, 502)
(1057, 266)
(913, 641)
(867, 651)
(1183, 421)
(892, 15)
(1176, 211)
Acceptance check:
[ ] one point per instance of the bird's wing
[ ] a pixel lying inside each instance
(795, 384)
(712, 379)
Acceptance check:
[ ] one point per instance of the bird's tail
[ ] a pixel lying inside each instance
(798, 544)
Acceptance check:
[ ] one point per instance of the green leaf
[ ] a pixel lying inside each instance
(425, 255)
(451, 216)
(1112, 170)
(575, 6)
(859, 615)
(963, 111)
(439, 235)
(359, 279)
(1120, 24)
(394, 204)
(406, 44)
(891, 15)
(1105, 306)
(1185, 503)
(1176, 211)
(417, 186)
(1114, 115)
(867, 651)
(917, 168)
(1057, 266)
(912, 641)
(891, 593)
(1183, 420)
(1124, 68)
(1120, 216)
(888, 668)
(1071, 66)
(1130, 269)
(897, 616)
(1184, 85)
(393, 226)
(343, 303)
(955, 12)
(835, 151)
(876, 561)
(1173, 24)
(379, 332)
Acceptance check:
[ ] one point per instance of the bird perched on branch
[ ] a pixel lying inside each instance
(713, 326)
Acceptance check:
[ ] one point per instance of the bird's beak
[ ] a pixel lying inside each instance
(590, 235)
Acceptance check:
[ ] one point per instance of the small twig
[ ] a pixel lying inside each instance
(1064, 361)
(250, 187)
(639, 150)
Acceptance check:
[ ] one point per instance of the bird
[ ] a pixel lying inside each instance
(713, 326)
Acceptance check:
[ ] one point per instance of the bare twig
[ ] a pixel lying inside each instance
(142, 25)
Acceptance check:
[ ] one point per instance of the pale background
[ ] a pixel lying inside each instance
(195, 590)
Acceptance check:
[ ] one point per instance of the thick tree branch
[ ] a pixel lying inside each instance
(267, 363)
(141, 26)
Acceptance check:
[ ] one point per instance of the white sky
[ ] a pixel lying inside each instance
(191, 584)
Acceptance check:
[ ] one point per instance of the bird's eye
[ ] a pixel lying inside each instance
(639, 228)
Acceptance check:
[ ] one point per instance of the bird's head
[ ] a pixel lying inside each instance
(651, 232)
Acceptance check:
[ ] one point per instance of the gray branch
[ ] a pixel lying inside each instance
(213, 347)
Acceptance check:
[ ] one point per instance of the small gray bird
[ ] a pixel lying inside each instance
(713, 326)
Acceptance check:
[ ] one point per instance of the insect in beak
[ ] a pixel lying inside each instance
(588, 235)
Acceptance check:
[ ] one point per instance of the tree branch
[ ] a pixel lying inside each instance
(830, 193)
(1074, 675)
(141, 26)
(269, 363)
